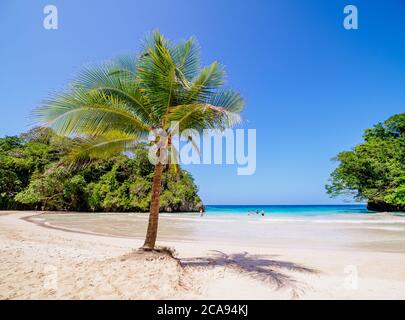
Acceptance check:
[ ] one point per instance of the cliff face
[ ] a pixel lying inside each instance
(184, 207)
(383, 206)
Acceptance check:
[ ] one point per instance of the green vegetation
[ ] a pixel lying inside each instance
(114, 106)
(34, 174)
(375, 169)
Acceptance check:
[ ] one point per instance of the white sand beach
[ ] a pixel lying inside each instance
(57, 257)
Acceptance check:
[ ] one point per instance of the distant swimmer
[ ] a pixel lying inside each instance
(248, 212)
(263, 213)
(257, 211)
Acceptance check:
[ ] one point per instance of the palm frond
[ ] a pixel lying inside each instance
(102, 147)
(228, 99)
(201, 116)
(186, 56)
(204, 85)
(115, 78)
(80, 112)
(211, 77)
(125, 65)
(157, 74)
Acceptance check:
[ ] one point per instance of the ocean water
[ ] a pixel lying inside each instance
(287, 210)
(320, 226)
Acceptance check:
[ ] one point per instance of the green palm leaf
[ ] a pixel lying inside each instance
(102, 147)
(116, 79)
(80, 112)
(186, 56)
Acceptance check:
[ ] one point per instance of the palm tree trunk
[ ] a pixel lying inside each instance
(151, 234)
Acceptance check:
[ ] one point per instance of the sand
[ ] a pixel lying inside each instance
(38, 262)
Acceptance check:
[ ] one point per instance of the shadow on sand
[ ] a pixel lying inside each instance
(259, 267)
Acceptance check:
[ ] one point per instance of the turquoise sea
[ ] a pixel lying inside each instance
(288, 210)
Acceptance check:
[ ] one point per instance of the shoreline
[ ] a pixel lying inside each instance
(204, 270)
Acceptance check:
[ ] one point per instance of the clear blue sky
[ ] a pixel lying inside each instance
(311, 86)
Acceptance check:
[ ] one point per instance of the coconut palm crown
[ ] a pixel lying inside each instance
(114, 106)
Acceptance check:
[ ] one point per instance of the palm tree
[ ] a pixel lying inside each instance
(113, 107)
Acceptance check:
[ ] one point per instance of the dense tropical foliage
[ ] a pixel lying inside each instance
(375, 169)
(34, 174)
(114, 106)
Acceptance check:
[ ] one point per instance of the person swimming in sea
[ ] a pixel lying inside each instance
(257, 211)
(262, 213)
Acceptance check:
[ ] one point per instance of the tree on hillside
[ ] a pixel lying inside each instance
(375, 169)
(35, 176)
